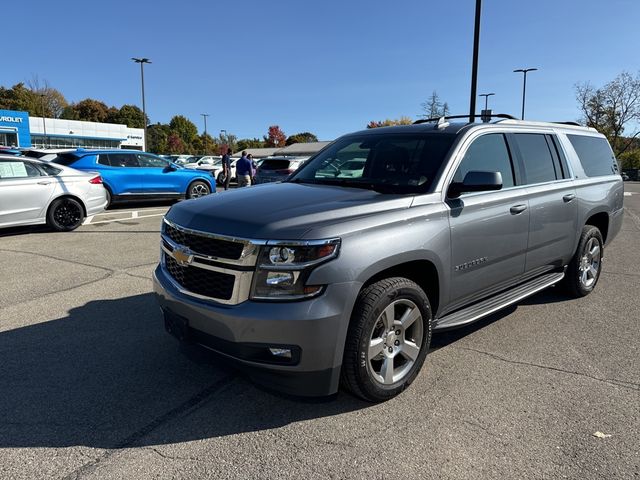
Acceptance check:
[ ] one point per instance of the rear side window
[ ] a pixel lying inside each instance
(103, 159)
(539, 165)
(275, 165)
(488, 153)
(65, 159)
(123, 160)
(595, 155)
(50, 169)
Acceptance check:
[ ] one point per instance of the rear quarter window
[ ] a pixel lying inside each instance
(65, 159)
(595, 155)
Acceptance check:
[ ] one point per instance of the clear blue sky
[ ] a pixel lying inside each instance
(327, 67)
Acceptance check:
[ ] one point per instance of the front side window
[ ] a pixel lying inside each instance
(539, 166)
(14, 169)
(595, 154)
(488, 153)
(387, 163)
(151, 161)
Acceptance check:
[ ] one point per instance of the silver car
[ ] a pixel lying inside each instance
(326, 279)
(35, 192)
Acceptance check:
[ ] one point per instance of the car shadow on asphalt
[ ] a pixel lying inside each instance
(107, 375)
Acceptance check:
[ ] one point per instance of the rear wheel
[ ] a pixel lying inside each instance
(109, 198)
(198, 189)
(388, 339)
(585, 266)
(221, 178)
(65, 214)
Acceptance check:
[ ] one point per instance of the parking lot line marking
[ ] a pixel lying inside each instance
(134, 214)
(87, 220)
(628, 194)
(127, 219)
(118, 212)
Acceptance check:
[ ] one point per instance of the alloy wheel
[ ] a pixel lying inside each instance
(395, 342)
(199, 190)
(67, 214)
(589, 268)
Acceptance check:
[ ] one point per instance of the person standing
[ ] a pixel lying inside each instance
(254, 169)
(243, 171)
(226, 168)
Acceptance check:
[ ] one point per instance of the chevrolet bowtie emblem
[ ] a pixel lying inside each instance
(183, 256)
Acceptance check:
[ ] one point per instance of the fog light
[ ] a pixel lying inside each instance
(280, 352)
(280, 279)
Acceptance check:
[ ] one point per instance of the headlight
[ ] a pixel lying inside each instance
(284, 267)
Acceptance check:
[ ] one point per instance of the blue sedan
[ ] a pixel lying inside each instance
(133, 175)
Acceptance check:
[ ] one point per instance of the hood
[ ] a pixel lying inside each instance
(281, 210)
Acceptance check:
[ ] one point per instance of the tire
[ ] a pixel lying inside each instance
(585, 267)
(221, 178)
(382, 358)
(65, 214)
(198, 189)
(109, 198)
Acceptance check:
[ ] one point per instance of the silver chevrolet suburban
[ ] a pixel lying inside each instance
(339, 276)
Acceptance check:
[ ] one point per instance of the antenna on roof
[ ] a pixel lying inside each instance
(442, 123)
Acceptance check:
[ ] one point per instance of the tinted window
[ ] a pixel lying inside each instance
(123, 160)
(595, 155)
(104, 160)
(538, 162)
(393, 163)
(50, 169)
(17, 169)
(151, 161)
(275, 165)
(66, 159)
(556, 149)
(489, 153)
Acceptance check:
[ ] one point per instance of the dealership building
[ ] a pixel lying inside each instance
(18, 129)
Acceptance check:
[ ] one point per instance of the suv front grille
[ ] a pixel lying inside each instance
(204, 245)
(201, 281)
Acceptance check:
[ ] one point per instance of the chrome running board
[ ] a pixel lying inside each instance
(497, 302)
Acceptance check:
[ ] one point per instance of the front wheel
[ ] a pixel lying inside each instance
(388, 339)
(221, 178)
(65, 214)
(198, 189)
(585, 266)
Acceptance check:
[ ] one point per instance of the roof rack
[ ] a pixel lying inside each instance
(447, 117)
(575, 124)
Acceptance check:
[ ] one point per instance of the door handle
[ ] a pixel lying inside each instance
(44, 182)
(516, 209)
(568, 197)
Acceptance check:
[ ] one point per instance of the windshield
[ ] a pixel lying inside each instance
(388, 163)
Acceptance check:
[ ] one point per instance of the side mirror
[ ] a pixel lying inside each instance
(170, 168)
(476, 181)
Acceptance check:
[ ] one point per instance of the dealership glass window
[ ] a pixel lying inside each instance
(40, 141)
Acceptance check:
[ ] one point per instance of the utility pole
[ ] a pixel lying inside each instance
(205, 115)
(474, 70)
(44, 125)
(142, 61)
(524, 84)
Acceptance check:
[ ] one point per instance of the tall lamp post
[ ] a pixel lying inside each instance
(142, 61)
(524, 84)
(44, 125)
(474, 69)
(486, 99)
(205, 115)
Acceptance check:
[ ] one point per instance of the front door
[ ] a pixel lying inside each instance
(24, 192)
(158, 175)
(489, 230)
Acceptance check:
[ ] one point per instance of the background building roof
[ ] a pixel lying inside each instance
(257, 152)
(302, 149)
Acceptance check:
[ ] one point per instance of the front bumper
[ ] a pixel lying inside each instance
(314, 330)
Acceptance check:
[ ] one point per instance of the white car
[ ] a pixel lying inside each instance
(207, 163)
(46, 154)
(34, 192)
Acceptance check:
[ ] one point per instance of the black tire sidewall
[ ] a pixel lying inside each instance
(54, 206)
(220, 178)
(372, 389)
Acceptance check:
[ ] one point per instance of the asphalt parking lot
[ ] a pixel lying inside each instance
(92, 387)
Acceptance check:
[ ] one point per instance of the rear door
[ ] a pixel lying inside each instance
(489, 230)
(552, 201)
(158, 177)
(24, 192)
(121, 172)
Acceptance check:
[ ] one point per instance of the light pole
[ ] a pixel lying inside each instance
(524, 84)
(205, 115)
(486, 99)
(44, 125)
(474, 69)
(142, 61)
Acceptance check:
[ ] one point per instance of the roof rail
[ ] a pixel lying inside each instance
(447, 117)
(575, 124)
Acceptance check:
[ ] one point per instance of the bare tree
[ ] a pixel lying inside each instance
(612, 109)
(49, 101)
(433, 107)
